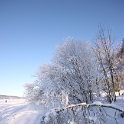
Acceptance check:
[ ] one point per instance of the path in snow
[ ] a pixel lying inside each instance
(18, 112)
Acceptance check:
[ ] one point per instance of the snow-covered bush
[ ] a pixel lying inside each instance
(96, 113)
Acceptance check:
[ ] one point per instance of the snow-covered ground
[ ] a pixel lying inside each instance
(17, 111)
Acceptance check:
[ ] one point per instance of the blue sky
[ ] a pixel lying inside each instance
(31, 29)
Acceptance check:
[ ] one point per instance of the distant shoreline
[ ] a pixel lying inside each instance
(10, 97)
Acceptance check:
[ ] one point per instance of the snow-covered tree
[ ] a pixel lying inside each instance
(120, 57)
(77, 70)
(69, 79)
(44, 91)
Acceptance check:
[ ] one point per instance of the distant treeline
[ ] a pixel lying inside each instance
(10, 97)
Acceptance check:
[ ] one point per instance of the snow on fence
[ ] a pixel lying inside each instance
(85, 114)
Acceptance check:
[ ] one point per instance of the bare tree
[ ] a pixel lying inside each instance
(106, 58)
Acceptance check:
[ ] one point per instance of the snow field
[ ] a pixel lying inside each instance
(17, 111)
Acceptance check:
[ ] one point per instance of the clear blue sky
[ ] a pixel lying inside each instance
(31, 29)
